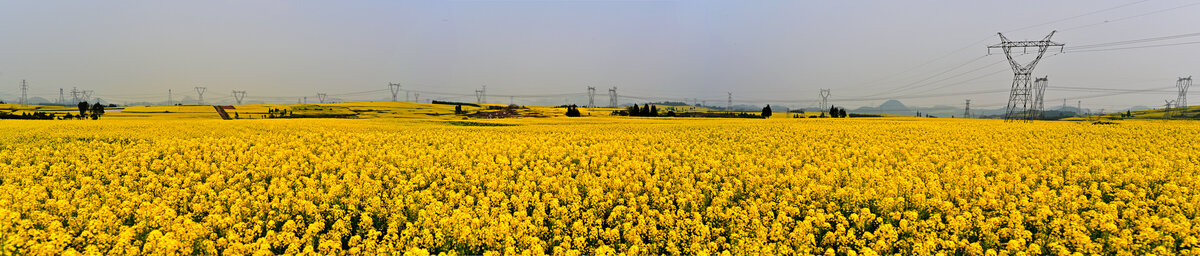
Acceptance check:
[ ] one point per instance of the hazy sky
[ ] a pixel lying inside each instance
(547, 52)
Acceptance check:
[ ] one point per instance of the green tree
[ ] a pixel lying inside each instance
(573, 111)
(97, 110)
(766, 111)
(83, 107)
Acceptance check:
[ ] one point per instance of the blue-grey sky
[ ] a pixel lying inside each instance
(921, 52)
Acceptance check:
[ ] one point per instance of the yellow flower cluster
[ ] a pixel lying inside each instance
(599, 186)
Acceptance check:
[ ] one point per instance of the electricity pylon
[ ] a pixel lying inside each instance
(1019, 102)
(729, 105)
(1183, 83)
(824, 99)
(481, 95)
(24, 87)
(1039, 91)
(1167, 108)
(612, 97)
(967, 111)
(238, 96)
(200, 93)
(591, 97)
(321, 97)
(396, 91)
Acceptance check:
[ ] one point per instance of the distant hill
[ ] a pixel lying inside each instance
(1139, 108)
(895, 107)
(892, 105)
(39, 100)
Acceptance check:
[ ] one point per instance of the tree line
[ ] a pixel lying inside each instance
(93, 111)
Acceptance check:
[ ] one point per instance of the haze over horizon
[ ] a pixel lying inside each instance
(923, 53)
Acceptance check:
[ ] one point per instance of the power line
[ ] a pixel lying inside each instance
(1134, 16)
(1091, 89)
(968, 46)
(1118, 93)
(958, 75)
(1137, 47)
(1081, 15)
(1132, 41)
(918, 82)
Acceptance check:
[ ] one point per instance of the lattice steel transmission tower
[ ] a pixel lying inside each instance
(1167, 108)
(75, 94)
(1019, 102)
(61, 100)
(321, 97)
(824, 100)
(24, 87)
(238, 96)
(729, 104)
(396, 91)
(1183, 83)
(1039, 92)
(170, 98)
(612, 97)
(481, 95)
(200, 93)
(591, 97)
(967, 111)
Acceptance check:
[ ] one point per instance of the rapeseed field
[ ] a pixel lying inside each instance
(599, 186)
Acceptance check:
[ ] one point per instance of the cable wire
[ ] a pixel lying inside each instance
(1134, 16)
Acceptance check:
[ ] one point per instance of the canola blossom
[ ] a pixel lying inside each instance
(599, 186)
